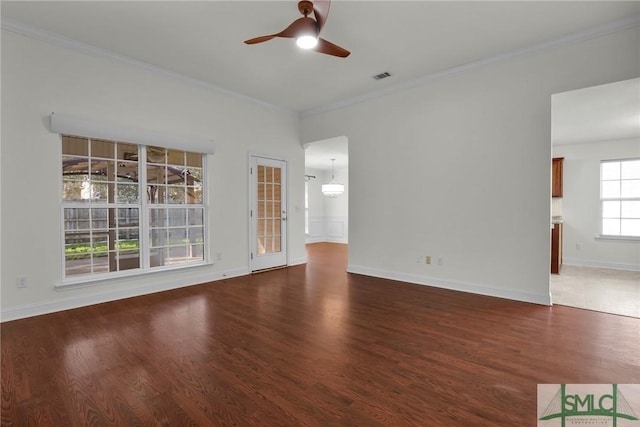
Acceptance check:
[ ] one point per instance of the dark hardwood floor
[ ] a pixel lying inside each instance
(307, 345)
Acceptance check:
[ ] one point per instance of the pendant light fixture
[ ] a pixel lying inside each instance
(332, 189)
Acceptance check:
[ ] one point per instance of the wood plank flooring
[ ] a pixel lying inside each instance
(307, 345)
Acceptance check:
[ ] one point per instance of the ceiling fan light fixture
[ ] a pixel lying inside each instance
(306, 30)
(307, 41)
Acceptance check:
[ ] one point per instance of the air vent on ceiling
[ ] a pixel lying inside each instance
(382, 76)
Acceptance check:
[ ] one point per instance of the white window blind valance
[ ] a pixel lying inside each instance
(91, 129)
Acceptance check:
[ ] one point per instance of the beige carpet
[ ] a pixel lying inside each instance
(598, 289)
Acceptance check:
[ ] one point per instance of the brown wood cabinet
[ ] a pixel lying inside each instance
(556, 248)
(556, 176)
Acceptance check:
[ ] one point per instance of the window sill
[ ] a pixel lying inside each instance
(87, 281)
(618, 238)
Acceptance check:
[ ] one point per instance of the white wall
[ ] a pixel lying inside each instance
(458, 168)
(328, 218)
(316, 207)
(581, 205)
(39, 78)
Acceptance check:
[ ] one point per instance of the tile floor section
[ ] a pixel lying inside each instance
(598, 289)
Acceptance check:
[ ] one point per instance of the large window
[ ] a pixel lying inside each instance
(130, 207)
(620, 197)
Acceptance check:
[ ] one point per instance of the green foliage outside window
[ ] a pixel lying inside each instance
(83, 250)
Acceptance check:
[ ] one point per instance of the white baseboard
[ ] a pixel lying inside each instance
(342, 240)
(314, 240)
(71, 302)
(77, 301)
(297, 261)
(332, 229)
(326, 240)
(451, 285)
(601, 264)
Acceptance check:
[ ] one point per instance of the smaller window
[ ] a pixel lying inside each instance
(620, 198)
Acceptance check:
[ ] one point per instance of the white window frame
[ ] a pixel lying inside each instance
(144, 207)
(620, 180)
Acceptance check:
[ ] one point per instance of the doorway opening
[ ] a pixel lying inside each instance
(326, 218)
(599, 251)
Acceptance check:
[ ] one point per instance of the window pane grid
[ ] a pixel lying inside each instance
(176, 209)
(176, 234)
(102, 206)
(99, 240)
(620, 198)
(268, 227)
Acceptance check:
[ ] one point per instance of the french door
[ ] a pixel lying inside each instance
(268, 213)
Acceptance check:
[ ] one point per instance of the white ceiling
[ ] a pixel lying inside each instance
(202, 41)
(600, 113)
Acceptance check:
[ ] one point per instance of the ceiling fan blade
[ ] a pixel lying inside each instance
(329, 48)
(321, 12)
(259, 39)
(296, 27)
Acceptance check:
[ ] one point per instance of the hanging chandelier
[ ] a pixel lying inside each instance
(332, 189)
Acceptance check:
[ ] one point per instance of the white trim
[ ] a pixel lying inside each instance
(297, 261)
(601, 264)
(87, 49)
(314, 239)
(67, 303)
(632, 239)
(599, 31)
(145, 221)
(320, 229)
(544, 299)
(95, 279)
(69, 125)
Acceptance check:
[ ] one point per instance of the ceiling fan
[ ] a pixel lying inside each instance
(306, 30)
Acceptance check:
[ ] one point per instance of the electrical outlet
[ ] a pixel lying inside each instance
(427, 259)
(21, 282)
(219, 256)
(418, 259)
(578, 246)
(440, 260)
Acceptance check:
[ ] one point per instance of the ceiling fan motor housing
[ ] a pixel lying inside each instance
(305, 7)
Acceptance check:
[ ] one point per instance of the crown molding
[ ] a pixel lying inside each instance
(592, 33)
(87, 49)
(57, 39)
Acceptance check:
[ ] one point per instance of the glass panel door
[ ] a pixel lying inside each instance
(268, 213)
